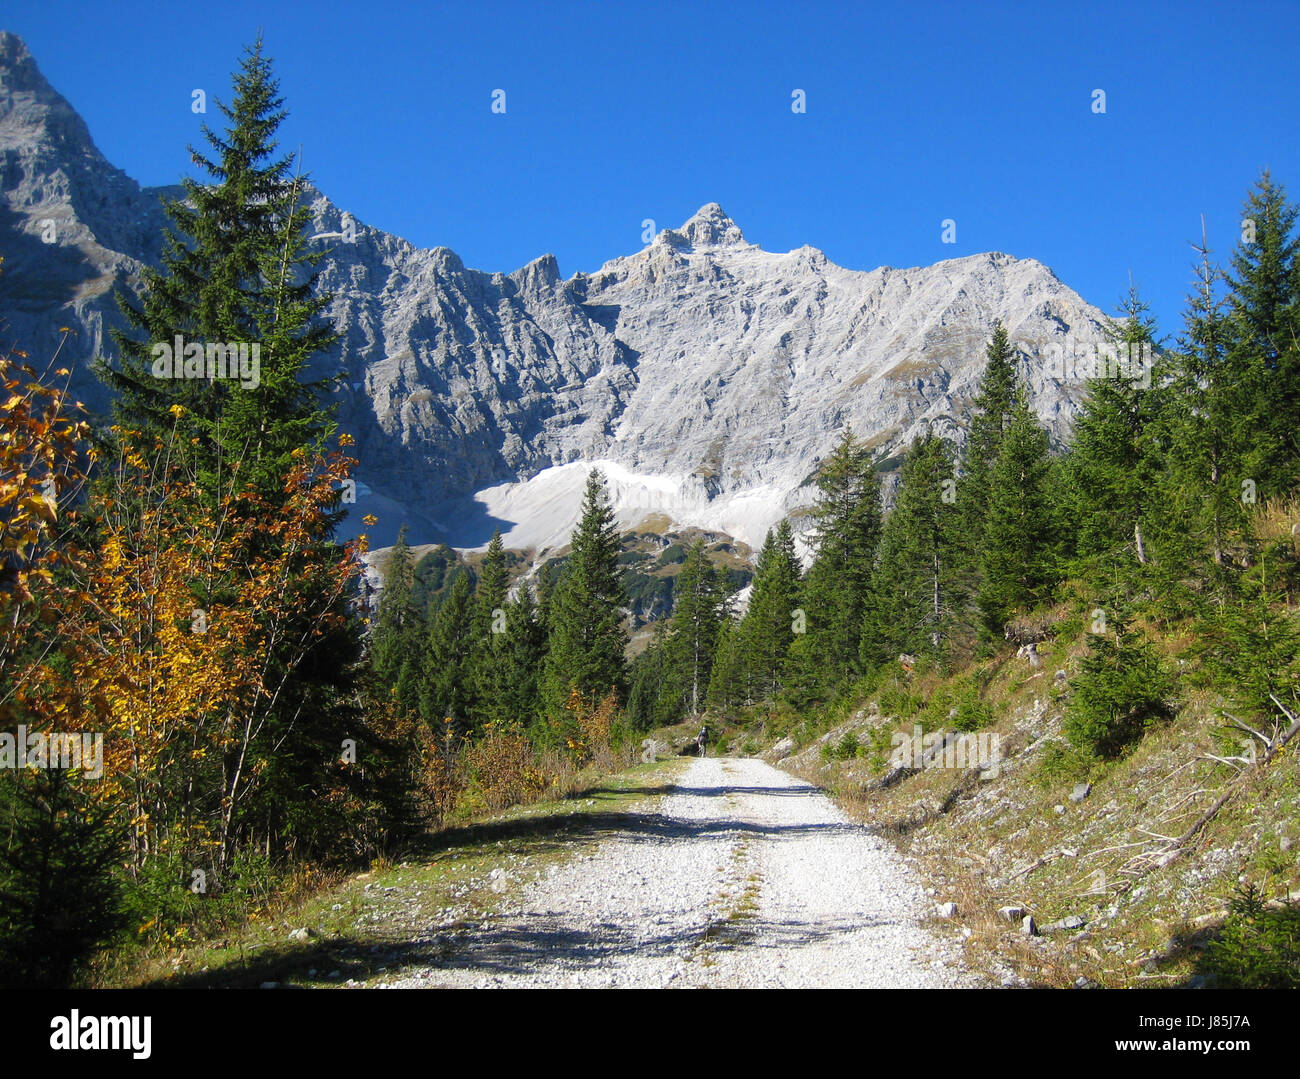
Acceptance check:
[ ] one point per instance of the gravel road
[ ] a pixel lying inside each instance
(741, 876)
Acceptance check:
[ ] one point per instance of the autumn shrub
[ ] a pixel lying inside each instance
(502, 768)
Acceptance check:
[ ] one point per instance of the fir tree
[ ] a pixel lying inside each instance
(396, 625)
(1017, 557)
(445, 692)
(1116, 457)
(731, 684)
(768, 628)
(917, 591)
(233, 271)
(1121, 690)
(646, 694)
(1208, 437)
(1263, 324)
(587, 639)
(992, 413)
(847, 524)
(509, 693)
(489, 626)
(698, 611)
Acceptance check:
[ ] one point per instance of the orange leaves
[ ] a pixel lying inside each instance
(174, 635)
(40, 438)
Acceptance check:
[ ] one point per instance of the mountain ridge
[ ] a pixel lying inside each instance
(706, 375)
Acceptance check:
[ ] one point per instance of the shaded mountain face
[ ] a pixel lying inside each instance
(705, 376)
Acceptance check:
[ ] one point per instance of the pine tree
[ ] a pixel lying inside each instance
(61, 894)
(1252, 641)
(992, 413)
(768, 628)
(587, 639)
(1263, 324)
(847, 525)
(1017, 557)
(445, 692)
(646, 694)
(1208, 439)
(1122, 689)
(698, 611)
(396, 635)
(1117, 457)
(489, 626)
(731, 684)
(233, 271)
(509, 695)
(917, 592)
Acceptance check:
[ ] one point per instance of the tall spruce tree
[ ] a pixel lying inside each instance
(587, 638)
(397, 628)
(768, 628)
(1264, 324)
(918, 591)
(235, 275)
(699, 607)
(445, 690)
(489, 626)
(846, 536)
(731, 684)
(1117, 457)
(992, 413)
(234, 271)
(646, 696)
(1209, 439)
(1017, 555)
(509, 693)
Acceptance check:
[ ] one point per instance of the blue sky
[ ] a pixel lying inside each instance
(615, 113)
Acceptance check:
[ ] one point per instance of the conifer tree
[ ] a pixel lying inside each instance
(768, 628)
(509, 693)
(235, 275)
(1017, 555)
(1208, 438)
(699, 604)
(445, 691)
(730, 685)
(396, 635)
(1122, 689)
(587, 639)
(917, 591)
(234, 270)
(847, 524)
(489, 625)
(646, 695)
(1264, 324)
(1116, 456)
(992, 413)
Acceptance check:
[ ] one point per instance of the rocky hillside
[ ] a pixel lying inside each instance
(705, 375)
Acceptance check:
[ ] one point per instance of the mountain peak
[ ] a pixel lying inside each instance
(711, 227)
(30, 108)
(19, 73)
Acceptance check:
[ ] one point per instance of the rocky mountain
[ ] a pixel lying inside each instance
(706, 376)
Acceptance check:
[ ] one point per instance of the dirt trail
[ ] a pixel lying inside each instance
(742, 876)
